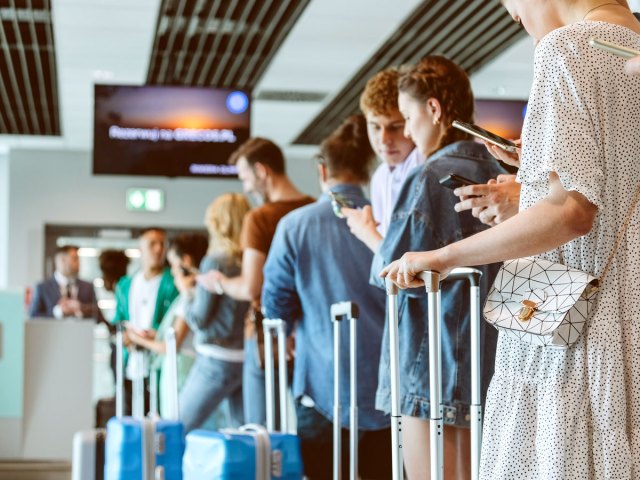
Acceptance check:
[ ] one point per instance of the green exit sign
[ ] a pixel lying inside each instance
(145, 199)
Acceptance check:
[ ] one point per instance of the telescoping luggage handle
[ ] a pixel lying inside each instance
(340, 311)
(396, 418)
(169, 371)
(280, 327)
(119, 370)
(432, 285)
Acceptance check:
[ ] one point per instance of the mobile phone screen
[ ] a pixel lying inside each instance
(454, 181)
(619, 50)
(486, 135)
(337, 202)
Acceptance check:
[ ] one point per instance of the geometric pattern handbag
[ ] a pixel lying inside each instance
(546, 303)
(541, 302)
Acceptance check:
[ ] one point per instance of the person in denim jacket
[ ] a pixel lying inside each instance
(314, 262)
(431, 95)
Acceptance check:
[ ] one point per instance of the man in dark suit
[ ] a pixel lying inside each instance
(64, 295)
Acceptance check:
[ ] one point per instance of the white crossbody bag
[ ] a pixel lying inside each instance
(545, 303)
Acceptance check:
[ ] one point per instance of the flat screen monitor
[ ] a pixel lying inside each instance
(502, 117)
(171, 131)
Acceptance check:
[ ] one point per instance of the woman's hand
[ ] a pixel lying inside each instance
(492, 203)
(633, 66)
(211, 281)
(138, 336)
(363, 226)
(184, 283)
(405, 271)
(501, 154)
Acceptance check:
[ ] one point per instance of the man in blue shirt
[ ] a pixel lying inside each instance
(314, 262)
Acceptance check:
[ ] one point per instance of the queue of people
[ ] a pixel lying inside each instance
(551, 413)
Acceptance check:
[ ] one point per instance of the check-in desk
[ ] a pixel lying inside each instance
(46, 379)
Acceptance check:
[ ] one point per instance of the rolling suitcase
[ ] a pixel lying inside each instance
(432, 285)
(251, 452)
(139, 448)
(88, 446)
(88, 455)
(340, 311)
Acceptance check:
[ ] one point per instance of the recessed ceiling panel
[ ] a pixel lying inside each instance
(219, 43)
(28, 89)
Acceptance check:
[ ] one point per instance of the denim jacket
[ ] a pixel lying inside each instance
(424, 219)
(314, 261)
(217, 319)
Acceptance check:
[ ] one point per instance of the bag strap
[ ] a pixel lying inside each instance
(621, 231)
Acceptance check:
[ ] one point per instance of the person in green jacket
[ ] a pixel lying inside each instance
(143, 299)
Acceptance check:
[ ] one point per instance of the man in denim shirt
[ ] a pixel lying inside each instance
(314, 262)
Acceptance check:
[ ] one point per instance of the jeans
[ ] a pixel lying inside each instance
(209, 382)
(316, 438)
(253, 384)
(255, 410)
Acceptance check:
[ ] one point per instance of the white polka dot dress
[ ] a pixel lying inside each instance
(575, 413)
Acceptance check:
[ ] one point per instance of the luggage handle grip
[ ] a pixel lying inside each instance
(279, 326)
(433, 279)
(340, 311)
(344, 309)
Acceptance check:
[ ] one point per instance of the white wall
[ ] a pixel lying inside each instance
(57, 187)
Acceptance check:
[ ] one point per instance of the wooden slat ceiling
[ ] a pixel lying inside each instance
(469, 32)
(28, 88)
(220, 43)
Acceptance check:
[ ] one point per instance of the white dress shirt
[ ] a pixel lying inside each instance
(385, 188)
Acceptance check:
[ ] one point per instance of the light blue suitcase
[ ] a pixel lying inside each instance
(139, 448)
(252, 452)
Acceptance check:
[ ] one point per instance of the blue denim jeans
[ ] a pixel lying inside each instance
(255, 410)
(209, 382)
(253, 385)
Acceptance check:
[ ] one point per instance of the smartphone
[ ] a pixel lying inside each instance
(486, 135)
(454, 181)
(623, 52)
(337, 202)
(188, 271)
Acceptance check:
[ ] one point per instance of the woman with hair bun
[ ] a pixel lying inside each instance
(432, 94)
(567, 413)
(314, 262)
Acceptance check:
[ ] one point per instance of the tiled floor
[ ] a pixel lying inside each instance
(35, 471)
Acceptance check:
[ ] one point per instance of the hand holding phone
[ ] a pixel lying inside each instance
(454, 181)
(337, 202)
(486, 135)
(619, 50)
(187, 271)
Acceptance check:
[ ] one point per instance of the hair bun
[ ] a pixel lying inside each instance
(354, 130)
(348, 149)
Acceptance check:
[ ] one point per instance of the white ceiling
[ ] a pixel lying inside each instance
(110, 41)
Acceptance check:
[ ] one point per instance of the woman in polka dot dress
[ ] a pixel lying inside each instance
(568, 413)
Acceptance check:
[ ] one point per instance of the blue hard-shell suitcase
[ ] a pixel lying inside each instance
(140, 448)
(236, 455)
(253, 452)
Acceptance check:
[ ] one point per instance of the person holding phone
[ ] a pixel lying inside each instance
(567, 413)
(431, 95)
(217, 322)
(184, 252)
(385, 130)
(300, 285)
